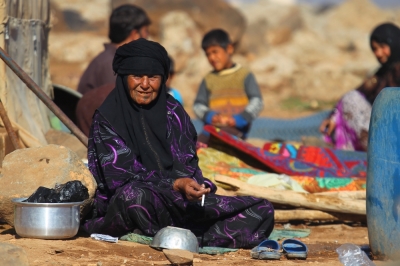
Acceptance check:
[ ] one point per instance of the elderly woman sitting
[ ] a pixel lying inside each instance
(142, 153)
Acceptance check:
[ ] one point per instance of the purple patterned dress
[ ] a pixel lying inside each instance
(131, 197)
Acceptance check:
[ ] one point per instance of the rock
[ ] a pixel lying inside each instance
(178, 256)
(278, 35)
(77, 47)
(349, 24)
(274, 69)
(179, 23)
(65, 139)
(368, 16)
(11, 255)
(206, 14)
(323, 84)
(91, 10)
(270, 23)
(25, 170)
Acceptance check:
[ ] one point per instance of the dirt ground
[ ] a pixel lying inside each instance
(82, 250)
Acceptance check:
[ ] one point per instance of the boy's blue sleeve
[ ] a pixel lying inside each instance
(208, 117)
(240, 121)
(176, 94)
(255, 105)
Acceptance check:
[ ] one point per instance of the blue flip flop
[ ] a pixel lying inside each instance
(266, 250)
(294, 249)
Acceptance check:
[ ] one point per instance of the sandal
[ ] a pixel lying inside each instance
(294, 249)
(266, 250)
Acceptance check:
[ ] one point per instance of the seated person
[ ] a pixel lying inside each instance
(88, 104)
(229, 96)
(142, 153)
(127, 23)
(172, 91)
(348, 125)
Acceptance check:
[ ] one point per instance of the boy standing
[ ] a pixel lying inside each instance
(228, 97)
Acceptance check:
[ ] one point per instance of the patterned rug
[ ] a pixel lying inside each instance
(214, 162)
(295, 160)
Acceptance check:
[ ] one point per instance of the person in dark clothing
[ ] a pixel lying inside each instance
(88, 104)
(348, 125)
(142, 153)
(127, 23)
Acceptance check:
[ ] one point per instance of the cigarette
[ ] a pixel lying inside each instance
(202, 200)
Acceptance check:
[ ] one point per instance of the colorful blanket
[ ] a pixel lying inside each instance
(214, 162)
(298, 160)
(322, 184)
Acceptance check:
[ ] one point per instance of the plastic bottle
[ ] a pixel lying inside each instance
(352, 255)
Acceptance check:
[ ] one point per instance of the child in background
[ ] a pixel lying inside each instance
(228, 97)
(175, 93)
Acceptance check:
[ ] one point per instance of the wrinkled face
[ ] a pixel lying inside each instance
(144, 89)
(381, 51)
(219, 57)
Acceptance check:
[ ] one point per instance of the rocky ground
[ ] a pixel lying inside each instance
(84, 251)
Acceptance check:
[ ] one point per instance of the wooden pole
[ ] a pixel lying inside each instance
(3, 19)
(356, 195)
(7, 124)
(297, 199)
(314, 215)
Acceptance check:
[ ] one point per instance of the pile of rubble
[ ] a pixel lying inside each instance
(311, 52)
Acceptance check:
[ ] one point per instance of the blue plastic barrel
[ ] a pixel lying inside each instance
(383, 179)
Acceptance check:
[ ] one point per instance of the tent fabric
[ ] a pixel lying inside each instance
(25, 40)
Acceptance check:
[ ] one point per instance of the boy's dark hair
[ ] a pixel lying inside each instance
(171, 66)
(124, 19)
(216, 37)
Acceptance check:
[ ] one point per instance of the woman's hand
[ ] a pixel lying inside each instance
(327, 126)
(190, 188)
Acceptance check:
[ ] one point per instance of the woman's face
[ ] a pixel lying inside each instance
(144, 89)
(381, 51)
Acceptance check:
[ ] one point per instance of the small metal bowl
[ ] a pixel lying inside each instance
(175, 238)
(46, 220)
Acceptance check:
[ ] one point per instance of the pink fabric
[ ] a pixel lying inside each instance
(351, 117)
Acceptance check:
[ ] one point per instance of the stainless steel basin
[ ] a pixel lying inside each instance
(46, 220)
(175, 238)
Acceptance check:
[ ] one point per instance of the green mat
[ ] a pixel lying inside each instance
(146, 240)
(132, 237)
(277, 234)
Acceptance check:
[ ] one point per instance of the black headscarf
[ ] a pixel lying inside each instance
(143, 128)
(389, 34)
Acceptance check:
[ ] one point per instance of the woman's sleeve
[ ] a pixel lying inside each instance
(113, 164)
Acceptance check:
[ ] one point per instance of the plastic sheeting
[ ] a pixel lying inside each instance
(72, 191)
